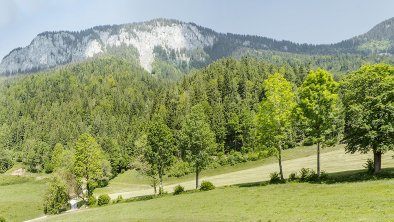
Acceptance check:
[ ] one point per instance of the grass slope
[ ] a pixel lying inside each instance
(359, 201)
(131, 181)
(21, 198)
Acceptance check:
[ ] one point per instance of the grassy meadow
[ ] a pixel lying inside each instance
(356, 201)
(21, 198)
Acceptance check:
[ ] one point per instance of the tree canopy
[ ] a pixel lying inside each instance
(319, 107)
(368, 95)
(275, 119)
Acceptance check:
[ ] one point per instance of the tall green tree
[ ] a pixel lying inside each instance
(56, 197)
(368, 96)
(160, 148)
(89, 161)
(319, 107)
(197, 139)
(275, 119)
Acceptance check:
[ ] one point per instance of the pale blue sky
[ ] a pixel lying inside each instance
(310, 21)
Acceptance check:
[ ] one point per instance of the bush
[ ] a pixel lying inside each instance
(2, 219)
(293, 176)
(253, 156)
(308, 175)
(369, 165)
(206, 185)
(179, 168)
(103, 199)
(275, 178)
(323, 175)
(92, 201)
(5, 163)
(235, 157)
(179, 189)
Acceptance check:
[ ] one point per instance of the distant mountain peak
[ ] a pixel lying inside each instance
(181, 43)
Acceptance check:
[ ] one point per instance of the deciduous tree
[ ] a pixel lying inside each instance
(197, 140)
(275, 119)
(320, 110)
(368, 96)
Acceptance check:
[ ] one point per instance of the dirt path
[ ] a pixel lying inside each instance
(334, 161)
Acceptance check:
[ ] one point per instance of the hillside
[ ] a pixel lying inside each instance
(185, 45)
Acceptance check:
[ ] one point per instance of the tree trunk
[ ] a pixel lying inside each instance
(280, 163)
(161, 182)
(318, 159)
(377, 160)
(197, 172)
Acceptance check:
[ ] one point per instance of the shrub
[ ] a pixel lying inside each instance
(92, 201)
(304, 174)
(275, 178)
(323, 175)
(235, 157)
(2, 219)
(206, 185)
(308, 175)
(103, 199)
(179, 168)
(369, 165)
(253, 156)
(179, 189)
(5, 162)
(293, 176)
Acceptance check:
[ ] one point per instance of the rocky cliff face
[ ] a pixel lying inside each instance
(50, 49)
(182, 44)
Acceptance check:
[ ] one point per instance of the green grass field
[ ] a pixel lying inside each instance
(133, 181)
(21, 198)
(358, 201)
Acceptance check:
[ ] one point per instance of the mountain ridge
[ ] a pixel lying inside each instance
(185, 44)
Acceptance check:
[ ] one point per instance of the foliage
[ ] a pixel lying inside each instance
(293, 176)
(178, 190)
(2, 219)
(103, 199)
(92, 201)
(160, 148)
(308, 175)
(319, 108)
(56, 198)
(179, 168)
(275, 119)
(368, 97)
(36, 155)
(90, 163)
(108, 97)
(197, 140)
(6, 162)
(275, 177)
(206, 185)
(369, 166)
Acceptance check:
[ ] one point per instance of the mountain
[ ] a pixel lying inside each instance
(185, 45)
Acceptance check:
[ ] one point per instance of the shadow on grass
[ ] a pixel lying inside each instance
(358, 176)
(350, 176)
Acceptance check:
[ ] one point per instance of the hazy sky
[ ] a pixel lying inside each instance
(310, 21)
